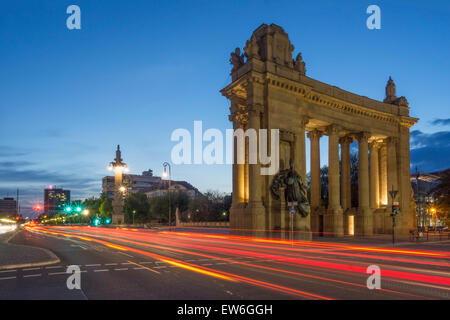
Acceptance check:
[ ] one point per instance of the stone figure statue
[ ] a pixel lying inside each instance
(299, 64)
(295, 189)
(237, 59)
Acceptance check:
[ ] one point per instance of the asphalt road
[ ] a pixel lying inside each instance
(149, 264)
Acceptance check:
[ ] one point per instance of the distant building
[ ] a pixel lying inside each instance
(55, 199)
(8, 207)
(132, 182)
(175, 186)
(422, 184)
(147, 183)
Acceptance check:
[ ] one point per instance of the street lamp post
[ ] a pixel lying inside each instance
(167, 172)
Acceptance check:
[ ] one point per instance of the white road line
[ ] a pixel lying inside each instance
(53, 267)
(8, 271)
(121, 269)
(111, 264)
(125, 254)
(126, 263)
(101, 270)
(93, 265)
(146, 262)
(32, 275)
(56, 273)
(160, 267)
(7, 278)
(138, 268)
(207, 264)
(222, 263)
(30, 269)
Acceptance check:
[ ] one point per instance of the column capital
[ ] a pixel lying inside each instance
(363, 136)
(314, 134)
(375, 145)
(391, 140)
(333, 129)
(346, 140)
(255, 108)
(303, 121)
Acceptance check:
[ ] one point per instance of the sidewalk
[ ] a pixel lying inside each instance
(14, 256)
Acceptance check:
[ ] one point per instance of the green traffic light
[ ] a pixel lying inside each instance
(79, 209)
(68, 209)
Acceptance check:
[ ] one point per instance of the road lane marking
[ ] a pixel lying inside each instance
(93, 265)
(125, 254)
(8, 278)
(121, 269)
(111, 264)
(30, 269)
(53, 267)
(145, 267)
(8, 271)
(101, 270)
(32, 275)
(56, 273)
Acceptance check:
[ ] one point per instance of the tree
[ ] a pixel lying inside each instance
(212, 206)
(159, 206)
(105, 210)
(137, 205)
(354, 180)
(324, 186)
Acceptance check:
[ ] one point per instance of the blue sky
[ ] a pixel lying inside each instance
(137, 70)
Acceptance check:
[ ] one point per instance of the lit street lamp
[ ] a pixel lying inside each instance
(167, 173)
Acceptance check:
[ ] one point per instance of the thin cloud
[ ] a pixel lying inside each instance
(441, 122)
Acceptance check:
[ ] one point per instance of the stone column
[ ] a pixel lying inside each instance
(406, 218)
(314, 137)
(346, 196)
(334, 220)
(383, 173)
(254, 173)
(392, 175)
(365, 218)
(392, 178)
(301, 223)
(374, 176)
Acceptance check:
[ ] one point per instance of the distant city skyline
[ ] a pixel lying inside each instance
(137, 71)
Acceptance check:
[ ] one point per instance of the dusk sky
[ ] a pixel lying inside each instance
(137, 70)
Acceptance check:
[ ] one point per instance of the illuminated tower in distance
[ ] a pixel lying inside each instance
(119, 167)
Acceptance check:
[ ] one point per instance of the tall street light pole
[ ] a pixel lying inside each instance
(167, 173)
(119, 167)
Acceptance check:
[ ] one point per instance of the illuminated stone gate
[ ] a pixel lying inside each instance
(271, 90)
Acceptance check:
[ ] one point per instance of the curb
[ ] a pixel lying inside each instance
(53, 258)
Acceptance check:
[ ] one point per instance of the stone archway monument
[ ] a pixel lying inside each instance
(270, 90)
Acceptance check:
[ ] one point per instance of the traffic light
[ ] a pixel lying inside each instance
(68, 209)
(96, 221)
(395, 209)
(78, 209)
(108, 221)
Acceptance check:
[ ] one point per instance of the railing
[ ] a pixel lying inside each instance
(429, 235)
